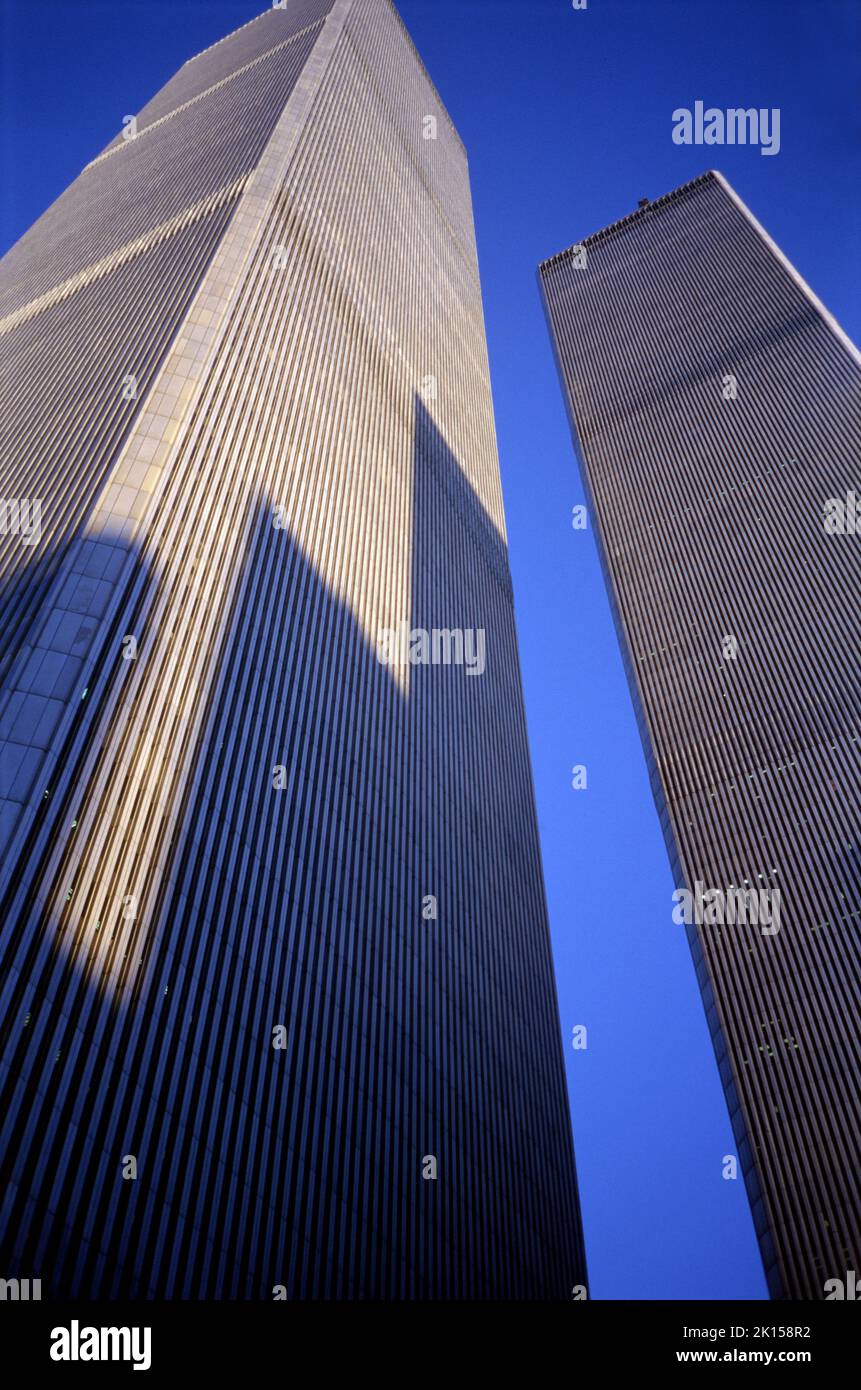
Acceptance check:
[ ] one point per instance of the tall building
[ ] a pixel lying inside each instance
(716, 408)
(278, 1005)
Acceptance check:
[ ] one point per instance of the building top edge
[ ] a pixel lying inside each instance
(225, 37)
(646, 208)
(442, 106)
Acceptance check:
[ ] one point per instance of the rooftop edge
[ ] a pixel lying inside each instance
(647, 206)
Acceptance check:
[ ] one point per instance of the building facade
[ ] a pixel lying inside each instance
(278, 1006)
(716, 410)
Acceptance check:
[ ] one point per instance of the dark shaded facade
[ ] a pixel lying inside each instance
(716, 410)
(226, 823)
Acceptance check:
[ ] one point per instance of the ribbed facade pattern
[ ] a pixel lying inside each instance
(312, 461)
(710, 519)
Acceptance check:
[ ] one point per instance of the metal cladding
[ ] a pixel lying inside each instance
(278, 1004)
(717, 410)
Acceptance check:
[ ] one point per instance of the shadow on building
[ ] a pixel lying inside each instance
(384, 907)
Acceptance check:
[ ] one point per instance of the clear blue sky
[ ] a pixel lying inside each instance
(567, 119)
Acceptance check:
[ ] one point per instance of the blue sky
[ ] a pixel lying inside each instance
(566, 116)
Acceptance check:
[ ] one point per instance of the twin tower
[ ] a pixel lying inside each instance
(278, 1005)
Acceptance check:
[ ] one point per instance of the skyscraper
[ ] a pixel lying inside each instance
(278, 1005)
(716, 408)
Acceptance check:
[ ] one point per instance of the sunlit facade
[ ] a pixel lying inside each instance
(279, 1014)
